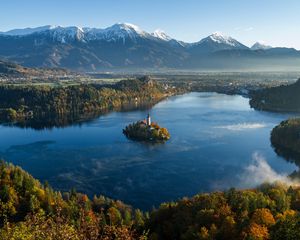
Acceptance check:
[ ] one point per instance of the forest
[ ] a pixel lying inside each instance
(23, 102)
(283, 98)
(31, 210)
(285, 139)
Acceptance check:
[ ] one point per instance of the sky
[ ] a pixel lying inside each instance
(275, 22)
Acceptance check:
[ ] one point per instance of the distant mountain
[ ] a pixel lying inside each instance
(161, 35)
(216, 42)
(126, 46)
(281, 51)
(260, 46)
(26, 31)
(118, 32)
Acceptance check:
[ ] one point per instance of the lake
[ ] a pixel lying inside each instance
(217, 142)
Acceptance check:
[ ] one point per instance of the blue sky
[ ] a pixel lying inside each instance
(276, 22)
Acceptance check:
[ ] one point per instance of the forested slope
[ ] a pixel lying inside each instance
(31, 210)
(277, 99)
(19, 102)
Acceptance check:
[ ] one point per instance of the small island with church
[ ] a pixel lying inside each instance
(145, 130)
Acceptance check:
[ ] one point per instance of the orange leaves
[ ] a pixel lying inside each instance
(84, 198)
(263, 217)
(258, 232)
(285, 214)
(261, 220)
(155, 125)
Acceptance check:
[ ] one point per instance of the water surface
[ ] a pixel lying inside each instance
(214, 140)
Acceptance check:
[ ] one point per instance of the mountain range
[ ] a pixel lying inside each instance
(126, 46)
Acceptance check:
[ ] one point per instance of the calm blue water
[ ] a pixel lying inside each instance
(217, 142)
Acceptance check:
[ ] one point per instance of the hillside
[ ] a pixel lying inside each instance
(20, 103)
(11, 68)
(286, 141)
(31, 210)
(277, 99)
(7, 68)
(11, 72)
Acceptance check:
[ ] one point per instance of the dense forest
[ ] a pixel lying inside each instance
(37, 102)
(285, 139)
(277, 99)
(31, 210)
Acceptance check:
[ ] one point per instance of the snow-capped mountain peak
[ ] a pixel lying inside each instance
(161, 35)
(128, 27)
(218, 37)
(56, 33)
(65, 34)
(119, 31)
(217, 42)
(260, 46)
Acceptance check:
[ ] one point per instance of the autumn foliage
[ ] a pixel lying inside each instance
(30, 210)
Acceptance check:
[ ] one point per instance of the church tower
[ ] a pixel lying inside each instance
(148, 120)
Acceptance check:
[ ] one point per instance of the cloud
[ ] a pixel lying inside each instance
(259, 171)
(242, 126)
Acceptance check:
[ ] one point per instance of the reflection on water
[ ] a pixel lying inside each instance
(214, 138)
(75, 118)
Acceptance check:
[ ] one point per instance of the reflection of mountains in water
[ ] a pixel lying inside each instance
(74, 118)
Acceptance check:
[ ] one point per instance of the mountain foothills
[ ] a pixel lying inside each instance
(12, 72)
(126, 46)
(31, 210)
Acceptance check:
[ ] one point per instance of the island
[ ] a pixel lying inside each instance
(145, 130)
